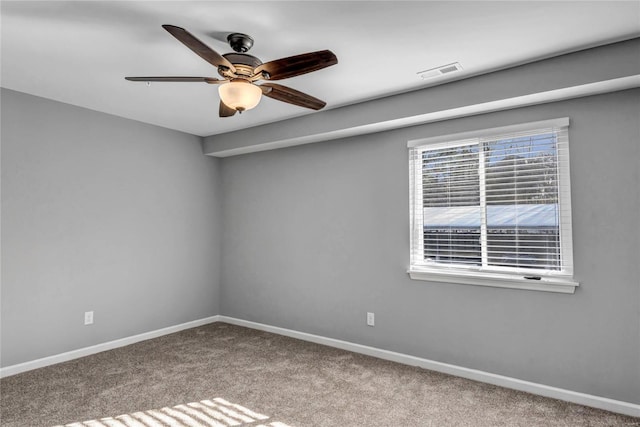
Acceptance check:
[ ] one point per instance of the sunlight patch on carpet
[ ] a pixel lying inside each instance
(206, 413)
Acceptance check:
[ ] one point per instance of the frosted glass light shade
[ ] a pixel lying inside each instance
(240, 95)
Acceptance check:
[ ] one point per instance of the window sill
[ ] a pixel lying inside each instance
(547, 284)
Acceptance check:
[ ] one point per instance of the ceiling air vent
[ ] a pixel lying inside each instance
(439, 71)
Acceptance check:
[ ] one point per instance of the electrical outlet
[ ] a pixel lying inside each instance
(371, 319)
(88, 317)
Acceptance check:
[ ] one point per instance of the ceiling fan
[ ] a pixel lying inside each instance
(240, 72)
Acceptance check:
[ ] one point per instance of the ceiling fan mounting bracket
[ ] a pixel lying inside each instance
(240, 42)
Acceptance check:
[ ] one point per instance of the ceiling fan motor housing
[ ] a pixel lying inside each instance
(244, 64)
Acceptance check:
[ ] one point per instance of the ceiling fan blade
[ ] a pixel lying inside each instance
(201, 49)
(209, 80)
(297, 65)
(225, 111)
(292, 96)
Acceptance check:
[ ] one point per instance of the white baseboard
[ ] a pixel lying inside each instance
(607, 404)
(612, 405)
(86, 351)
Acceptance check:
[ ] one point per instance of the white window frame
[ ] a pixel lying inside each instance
(551, 281)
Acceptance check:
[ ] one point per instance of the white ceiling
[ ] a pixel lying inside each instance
(79, 52)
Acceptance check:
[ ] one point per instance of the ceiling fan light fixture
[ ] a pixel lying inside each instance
(239, 94)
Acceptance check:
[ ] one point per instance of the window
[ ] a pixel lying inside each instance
(493, 207)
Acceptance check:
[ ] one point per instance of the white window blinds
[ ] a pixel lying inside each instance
(495, 200)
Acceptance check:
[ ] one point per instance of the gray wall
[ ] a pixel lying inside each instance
(132, 221)
(105, 214)
(317, 235)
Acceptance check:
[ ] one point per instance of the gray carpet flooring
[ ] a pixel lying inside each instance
(288, 382)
